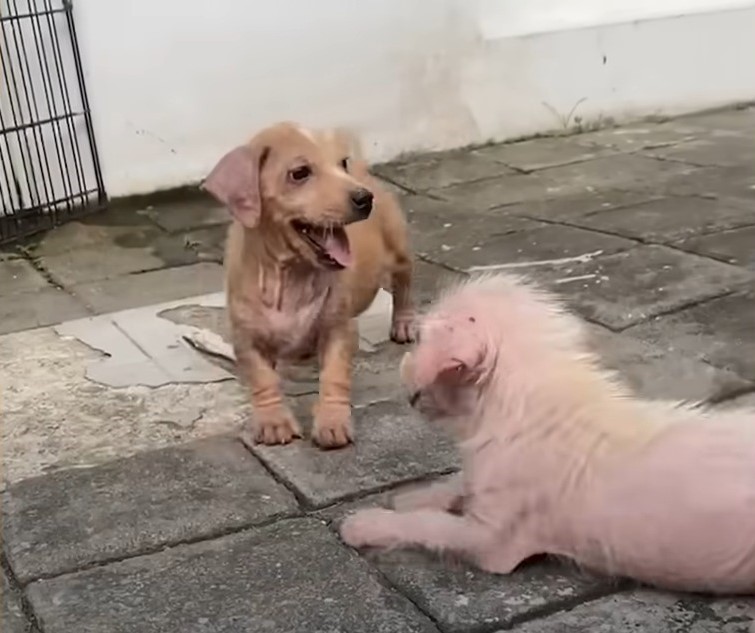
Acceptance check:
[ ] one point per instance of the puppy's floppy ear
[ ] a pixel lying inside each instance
(235, 182)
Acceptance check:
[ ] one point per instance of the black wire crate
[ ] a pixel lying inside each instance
(49, 168)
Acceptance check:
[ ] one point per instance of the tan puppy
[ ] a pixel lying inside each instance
(313, 239)
(561, 458)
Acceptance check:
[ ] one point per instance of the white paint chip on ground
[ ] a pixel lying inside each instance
(141, 348)
(577, 259)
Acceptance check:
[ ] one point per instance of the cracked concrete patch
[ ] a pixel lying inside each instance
(55, 417)
(142, 348)
(117, 384)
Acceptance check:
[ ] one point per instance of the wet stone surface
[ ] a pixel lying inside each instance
(734, 247)
(392, 446)
(463, 599)
(633, 286)
(545, 152)
(656, 372)
(110, 295)
(13, 619)
(291, 576)
(551, 247)
(720, 331)
(442, 170)
(671, 219)
(75, 518)
(127, 510)
(650, 611)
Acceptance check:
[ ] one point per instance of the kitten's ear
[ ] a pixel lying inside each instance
(457, 372)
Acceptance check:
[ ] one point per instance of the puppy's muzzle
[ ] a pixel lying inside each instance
(361, 204)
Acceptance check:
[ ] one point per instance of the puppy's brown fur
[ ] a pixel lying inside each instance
(286, 299)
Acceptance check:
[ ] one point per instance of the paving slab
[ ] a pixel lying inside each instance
(188, 214)
(148, 288)
(76, 422)
(9, 252)
(496, 192)
(542, 153)
(658, 373)
(18, 275)
(632, 138)
(462, 599)
(441, 170)
(632, 286)
(392, 446)
(618, 171)
(718, 151)
(12, 619)
(112, 226)
(430, 280)
(720, 331)
(736, 246)
(27, 310)
(76, 518)
(712, 182)
(650, 611)
(550, 246)
(291, 576)
(565, 208)
(671, 219)
(437, 227)
(93, 264)
(738, 121)
(207, 243)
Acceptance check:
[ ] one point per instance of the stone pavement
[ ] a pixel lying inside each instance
(129, 506)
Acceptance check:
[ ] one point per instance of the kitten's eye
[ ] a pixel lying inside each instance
(300, 174)
(345, 164)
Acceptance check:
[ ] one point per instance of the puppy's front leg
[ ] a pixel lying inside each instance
(402, 321)
(332, 412)
(272, 421)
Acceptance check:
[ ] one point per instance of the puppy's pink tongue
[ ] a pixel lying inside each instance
(337, 246)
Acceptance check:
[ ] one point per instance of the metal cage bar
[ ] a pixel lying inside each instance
(49, 167)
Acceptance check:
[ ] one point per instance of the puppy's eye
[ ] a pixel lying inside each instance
(345, 164)
(300, 174)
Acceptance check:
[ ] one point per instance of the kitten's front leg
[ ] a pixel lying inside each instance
(432, 529)
(445, 495)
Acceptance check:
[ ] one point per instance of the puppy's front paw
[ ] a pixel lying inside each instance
(402, 327)
(332, 427)
(368, 528)
(273, 425)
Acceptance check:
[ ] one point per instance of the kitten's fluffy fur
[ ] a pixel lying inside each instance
(561, 458)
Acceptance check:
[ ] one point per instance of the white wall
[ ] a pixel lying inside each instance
(175, 83)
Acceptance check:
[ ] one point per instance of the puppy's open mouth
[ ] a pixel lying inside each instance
(330, 244)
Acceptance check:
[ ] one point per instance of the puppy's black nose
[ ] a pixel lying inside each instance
(413, 397)
(361, 203)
